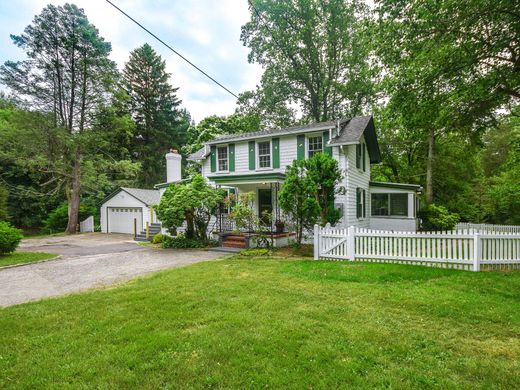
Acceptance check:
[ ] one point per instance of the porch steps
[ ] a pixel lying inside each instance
(153, 229)
(225, 250)
(234, 242)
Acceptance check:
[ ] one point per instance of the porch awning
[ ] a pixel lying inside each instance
(267, 177)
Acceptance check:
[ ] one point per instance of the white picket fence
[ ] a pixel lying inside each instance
(467, 250)
(87, 226)
(488, 227)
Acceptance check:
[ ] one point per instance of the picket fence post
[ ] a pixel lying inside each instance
(316, 242)
(351, 240)
(477, 250)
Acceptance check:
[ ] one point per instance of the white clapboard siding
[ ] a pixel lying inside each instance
(463, 249)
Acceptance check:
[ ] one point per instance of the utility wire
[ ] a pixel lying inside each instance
(172, 49)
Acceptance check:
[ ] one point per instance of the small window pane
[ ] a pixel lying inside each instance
(399, 204)
(380, 204)
(264, 154)
(222, 155)
(315, 145)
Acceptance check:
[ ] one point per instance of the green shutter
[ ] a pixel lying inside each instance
(358, 155)
(300, 144)
(213, 158)
(358, 203)
(326, 149)
(276, 152)
(364, 204)
(231, 157)
(252, 157)
(364, 158)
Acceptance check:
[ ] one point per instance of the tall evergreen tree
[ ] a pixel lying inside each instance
(67, 77)
(155, 108)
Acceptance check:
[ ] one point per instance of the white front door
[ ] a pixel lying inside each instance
(121, 219)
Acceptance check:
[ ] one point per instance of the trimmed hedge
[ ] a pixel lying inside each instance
(181, 242)
(10, 237)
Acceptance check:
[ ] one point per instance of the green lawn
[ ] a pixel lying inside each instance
(24, 257)
(257, 323)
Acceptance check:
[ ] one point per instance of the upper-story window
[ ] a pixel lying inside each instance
(315, 145)
(222, 158)
(264, 154)
(360, 157)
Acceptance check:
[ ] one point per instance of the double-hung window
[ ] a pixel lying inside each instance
(360, 157)
(393, 205)
(315, 145)
(360, 202)
(264, 154)
(222, 158)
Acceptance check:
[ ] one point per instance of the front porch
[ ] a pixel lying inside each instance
(270, 229)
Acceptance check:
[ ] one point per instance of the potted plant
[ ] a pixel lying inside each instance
(280, 226)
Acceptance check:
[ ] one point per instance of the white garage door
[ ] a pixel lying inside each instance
(121, 219)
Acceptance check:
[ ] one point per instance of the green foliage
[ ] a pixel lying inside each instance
(298, 198)
(308, 192)
(242, 211)
(154, 105)
(182, 242)
(10, 237)
(437, 218)
(58, 218)
(256, 252)
(4, 195)
(315, 55)
(14, 258)
(194, 203)
(324, 171)
(65, 147)
(158, 238)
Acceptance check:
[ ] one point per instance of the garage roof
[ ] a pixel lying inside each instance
(148, 197)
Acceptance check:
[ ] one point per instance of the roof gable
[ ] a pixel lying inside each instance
(148, 197)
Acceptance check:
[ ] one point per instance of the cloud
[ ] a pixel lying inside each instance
(204, 31)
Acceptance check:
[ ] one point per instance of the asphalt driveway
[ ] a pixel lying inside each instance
(86, 261)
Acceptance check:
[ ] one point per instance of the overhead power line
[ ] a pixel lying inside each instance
(172, 49)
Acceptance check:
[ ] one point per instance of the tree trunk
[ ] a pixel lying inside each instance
(74, 195)
(429, 166)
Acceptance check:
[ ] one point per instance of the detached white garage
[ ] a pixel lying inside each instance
(127, 207)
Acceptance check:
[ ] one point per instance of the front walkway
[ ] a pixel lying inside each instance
(87, 261)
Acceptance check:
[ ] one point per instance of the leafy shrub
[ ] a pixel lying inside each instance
(182, 242)
(437, 218)
(10, 237)
(256, 252)
(157, 239)
(58, 218)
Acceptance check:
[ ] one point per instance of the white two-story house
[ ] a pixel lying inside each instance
(256, 162)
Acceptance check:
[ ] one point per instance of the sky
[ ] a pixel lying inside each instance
(207, 32)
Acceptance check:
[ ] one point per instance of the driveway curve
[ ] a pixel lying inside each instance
(87, 261)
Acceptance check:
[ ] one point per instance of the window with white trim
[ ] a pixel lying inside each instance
(264, 154)
(394, 205)
(360, 202)
(315, 145)
(222, 158)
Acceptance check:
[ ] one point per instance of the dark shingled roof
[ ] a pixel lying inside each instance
(198, 155)
(351, 132)
(273, 132)
(148, 197)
